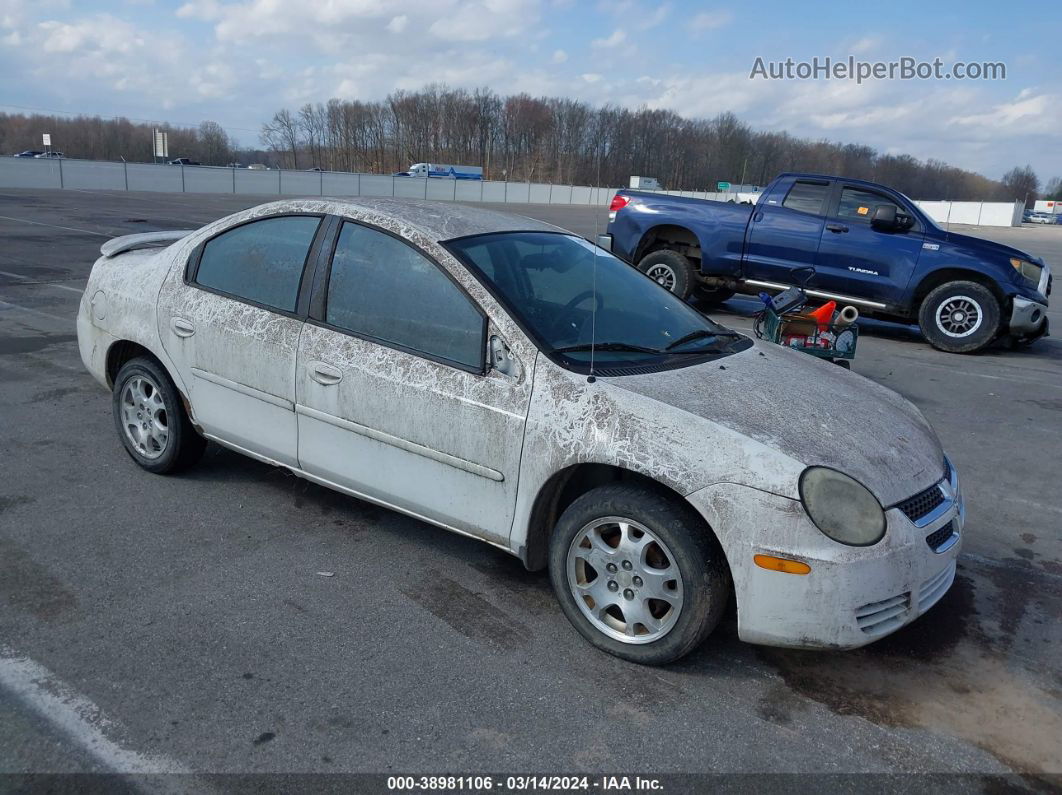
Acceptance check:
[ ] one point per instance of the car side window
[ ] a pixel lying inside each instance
(261, 261)
(807, 197)
(858, 204)
(386, 290)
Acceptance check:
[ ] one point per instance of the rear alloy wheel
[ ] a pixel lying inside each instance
(670, 270)
(637, 573)
(151, 420)
(960, 317)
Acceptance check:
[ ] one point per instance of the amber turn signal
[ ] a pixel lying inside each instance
(781, 564)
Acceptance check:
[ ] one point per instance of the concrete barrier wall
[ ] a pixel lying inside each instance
(17, 172)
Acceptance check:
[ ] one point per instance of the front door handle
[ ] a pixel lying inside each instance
(324, 374)
(182, 327)
(837, 228)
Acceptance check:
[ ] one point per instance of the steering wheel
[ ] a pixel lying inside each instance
(562, 322)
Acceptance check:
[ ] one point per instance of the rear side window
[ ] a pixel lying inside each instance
(807, 197)
(386, 290)
(261, 261)
(858, 205)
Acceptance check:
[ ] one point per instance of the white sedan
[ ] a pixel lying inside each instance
(502, 378)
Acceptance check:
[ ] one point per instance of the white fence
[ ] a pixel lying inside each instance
(974, 213)
(17, 172)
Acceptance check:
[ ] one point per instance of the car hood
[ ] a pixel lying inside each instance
(1005, 252)
(811, 410)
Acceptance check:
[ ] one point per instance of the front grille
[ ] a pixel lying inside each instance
(922, 503)
(937, 538)
(877, 617)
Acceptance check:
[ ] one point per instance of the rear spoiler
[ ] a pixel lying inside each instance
(118, 245)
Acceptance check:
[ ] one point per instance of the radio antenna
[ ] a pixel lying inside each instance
(597, 236)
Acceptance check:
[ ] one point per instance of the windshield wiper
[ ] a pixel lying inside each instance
(608, 346)
(624, 346)
(699, 334)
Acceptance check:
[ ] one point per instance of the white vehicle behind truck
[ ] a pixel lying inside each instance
(442, 171)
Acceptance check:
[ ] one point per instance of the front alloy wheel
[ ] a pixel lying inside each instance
(960, 317)
(638, 573)
(624, 580)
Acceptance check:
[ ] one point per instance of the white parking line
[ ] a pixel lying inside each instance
(79, 719)
(55, 226)
(37, 312)
(46, 284)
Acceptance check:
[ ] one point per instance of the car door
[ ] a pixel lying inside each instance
(394, 398)
(858, 260)
(784, 237)
(231, 321)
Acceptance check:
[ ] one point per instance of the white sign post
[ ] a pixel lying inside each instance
(47, 139)
(162, 143)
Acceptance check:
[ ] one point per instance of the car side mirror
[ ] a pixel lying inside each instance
(884, 218)
(502, 359)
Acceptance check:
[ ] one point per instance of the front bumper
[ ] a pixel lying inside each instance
(853, 595)
(1028, 318)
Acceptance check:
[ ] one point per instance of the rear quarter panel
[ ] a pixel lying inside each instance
(718, 226)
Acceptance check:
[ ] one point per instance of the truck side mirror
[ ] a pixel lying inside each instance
(884, 218)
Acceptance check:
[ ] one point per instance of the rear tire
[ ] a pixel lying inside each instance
(150, 419)
(660, 574)
(960, 317)
(713, 296)
(670, 270)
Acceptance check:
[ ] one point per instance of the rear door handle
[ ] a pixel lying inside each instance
(324, 374)
(182, 327)
(837, 228)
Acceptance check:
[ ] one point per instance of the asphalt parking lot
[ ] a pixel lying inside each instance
(186, 616)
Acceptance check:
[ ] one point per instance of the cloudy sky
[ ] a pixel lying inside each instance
(238, 61)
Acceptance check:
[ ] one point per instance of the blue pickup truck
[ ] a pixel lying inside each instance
(869, 245)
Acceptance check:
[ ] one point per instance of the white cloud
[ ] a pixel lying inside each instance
(710, 20)
(617, 38)
(591, 77)
(559, 56)
(398, 24)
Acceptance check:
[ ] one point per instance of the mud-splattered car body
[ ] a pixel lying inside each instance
(498, 453)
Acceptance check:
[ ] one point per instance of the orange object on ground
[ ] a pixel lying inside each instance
(824, 314)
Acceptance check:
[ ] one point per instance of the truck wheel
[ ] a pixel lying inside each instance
(669, 269)
(637, 574)
(713, 296)
(960, 317)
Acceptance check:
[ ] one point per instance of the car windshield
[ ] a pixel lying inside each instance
(569, 295)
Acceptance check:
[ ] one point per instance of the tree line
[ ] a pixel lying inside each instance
(522, 138)
(96, 138)
(560, 140)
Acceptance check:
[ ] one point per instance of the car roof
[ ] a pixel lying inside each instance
(438, 220)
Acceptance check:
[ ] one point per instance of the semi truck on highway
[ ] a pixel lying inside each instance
(862, 243)
(442, 171)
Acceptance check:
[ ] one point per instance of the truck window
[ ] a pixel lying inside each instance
(858, 204)
(807, 197)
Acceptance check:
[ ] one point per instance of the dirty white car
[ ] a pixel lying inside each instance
(501, 378)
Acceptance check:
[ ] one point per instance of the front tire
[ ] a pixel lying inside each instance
(151, 420)
(670, 270)
(960, 317)
(637, 573)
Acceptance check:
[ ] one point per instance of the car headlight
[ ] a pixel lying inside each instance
(842, 507)
(1030, 270)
